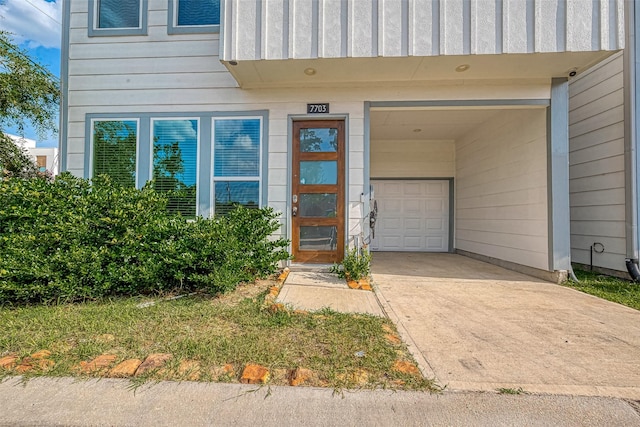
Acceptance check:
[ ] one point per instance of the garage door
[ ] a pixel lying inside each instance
(413, 215)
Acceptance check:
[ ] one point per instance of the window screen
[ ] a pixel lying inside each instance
(118, 13)
(114, 150)
(198, 12)
(175, 152)
(236, 163)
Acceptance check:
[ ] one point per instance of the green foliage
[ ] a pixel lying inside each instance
(610, 288)
(28, 92)
(15, 162)
(355, 265)
(74, 239)
(168, 165)
(115, 151)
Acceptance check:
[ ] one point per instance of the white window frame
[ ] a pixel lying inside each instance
(215, 178)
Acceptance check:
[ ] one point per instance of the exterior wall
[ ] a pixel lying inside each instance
(413, 159)
(181, 73)
(291, 29)
(501, 189)
(597, 182)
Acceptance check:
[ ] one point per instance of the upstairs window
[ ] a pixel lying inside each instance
(194, 16)
(118, 13)
(117, 17)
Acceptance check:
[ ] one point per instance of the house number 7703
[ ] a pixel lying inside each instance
(317, 108)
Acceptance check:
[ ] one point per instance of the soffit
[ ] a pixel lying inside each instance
(409, 70)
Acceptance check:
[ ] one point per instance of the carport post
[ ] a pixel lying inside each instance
(558, 176)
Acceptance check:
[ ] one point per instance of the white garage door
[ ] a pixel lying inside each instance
(413, 215)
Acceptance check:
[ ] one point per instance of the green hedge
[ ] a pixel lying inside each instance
(74, 239)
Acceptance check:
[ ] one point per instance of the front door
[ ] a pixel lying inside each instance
(318, 191)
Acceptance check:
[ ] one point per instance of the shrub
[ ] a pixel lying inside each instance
(355, 265)
(74, 239)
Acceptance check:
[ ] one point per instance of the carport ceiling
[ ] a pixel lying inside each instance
(403, 124)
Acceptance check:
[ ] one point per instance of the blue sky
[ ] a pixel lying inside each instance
(36, 27)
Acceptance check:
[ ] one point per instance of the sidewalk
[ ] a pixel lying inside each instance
(315, 290)
(109, 402)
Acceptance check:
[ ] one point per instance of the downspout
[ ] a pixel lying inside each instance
(630, 142)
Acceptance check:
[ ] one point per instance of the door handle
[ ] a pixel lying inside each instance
(294, 211)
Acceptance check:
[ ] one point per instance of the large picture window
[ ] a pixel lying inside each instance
(115, 150)
(236, 163)
(117, 17)
(206, 163)
(194, 16)
(175, 161)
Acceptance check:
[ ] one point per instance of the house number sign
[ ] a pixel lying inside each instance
(318, 108)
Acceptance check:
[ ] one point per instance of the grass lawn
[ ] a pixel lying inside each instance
(607, 287)
(342, 351)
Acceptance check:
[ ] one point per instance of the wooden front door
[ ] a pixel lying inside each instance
(318, 173)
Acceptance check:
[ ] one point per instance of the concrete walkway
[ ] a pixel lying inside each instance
(109, 402)
(475, 326)
(315, 290)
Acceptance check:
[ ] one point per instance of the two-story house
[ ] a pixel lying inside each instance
(451, 117)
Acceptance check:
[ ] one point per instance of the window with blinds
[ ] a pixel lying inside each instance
(197, 12)
(119, 14)
(236, 163)
(114, 150)
(175, 156)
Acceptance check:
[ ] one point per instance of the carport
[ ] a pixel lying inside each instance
(481, 178)
(477, 326)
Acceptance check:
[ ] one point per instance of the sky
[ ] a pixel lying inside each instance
(36, 27)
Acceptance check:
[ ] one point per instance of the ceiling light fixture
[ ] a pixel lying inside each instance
(416, 130)
(462, 68)
(310, 71)
(233, 63)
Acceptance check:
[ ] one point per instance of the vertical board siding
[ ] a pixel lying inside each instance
(452, 17)
(501, 187)
(330, 28)
(274, 41)
(516, 30)
(391, 28)
(546, 35)
(362, 42)
(421, 16)
(485, 29)
(596, 158)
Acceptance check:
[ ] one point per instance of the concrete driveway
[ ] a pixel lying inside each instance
(476, 326)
